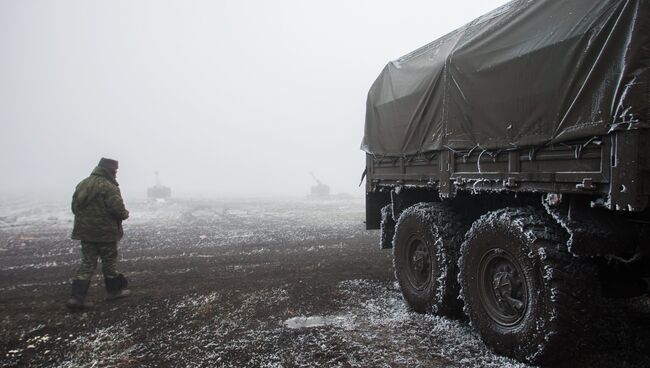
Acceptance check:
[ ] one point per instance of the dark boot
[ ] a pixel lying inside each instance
(116, 287)
(78, 295)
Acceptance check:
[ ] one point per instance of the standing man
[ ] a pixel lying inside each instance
(98, 214)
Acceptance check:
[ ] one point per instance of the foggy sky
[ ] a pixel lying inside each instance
(224, 98)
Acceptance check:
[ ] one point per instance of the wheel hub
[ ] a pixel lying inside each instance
(504, 283)
(419, 263)
(504, 291)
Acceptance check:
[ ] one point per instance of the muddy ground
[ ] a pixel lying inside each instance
(252, 283)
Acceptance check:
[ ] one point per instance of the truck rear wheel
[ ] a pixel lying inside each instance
(425, 246)
(523, 292)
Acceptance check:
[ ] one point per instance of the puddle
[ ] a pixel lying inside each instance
(319, 321)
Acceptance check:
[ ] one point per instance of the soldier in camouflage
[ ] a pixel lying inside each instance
(99, 211)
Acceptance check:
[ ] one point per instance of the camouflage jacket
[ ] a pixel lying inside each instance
(98, 208)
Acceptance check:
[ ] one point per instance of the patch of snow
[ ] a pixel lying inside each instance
(319, 321)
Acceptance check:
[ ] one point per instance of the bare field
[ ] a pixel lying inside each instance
(251, 283)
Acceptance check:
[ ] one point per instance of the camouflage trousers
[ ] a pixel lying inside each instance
(90, 251)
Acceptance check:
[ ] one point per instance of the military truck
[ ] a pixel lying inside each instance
(508, 167)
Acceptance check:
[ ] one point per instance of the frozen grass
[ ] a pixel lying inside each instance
(371, 326)
(358, 322)
(36, 236)
(110, 346)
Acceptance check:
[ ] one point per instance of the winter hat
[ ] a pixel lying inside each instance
(109, 164)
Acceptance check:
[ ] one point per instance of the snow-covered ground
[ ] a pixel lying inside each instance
(253, 283)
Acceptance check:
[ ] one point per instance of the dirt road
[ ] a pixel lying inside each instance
(249, 283)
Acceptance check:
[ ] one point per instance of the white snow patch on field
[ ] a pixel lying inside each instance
(36, 266)
(346, 322)
(384, 312)
(101, 348)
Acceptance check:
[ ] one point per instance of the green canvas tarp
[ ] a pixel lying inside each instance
(528, 73)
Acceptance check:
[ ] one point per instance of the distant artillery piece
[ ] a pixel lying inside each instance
(159, 191)
(320, 189)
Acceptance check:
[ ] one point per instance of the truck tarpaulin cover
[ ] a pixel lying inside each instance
(528, 73)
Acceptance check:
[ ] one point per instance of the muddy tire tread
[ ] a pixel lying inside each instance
(451, 227)
(568, 283)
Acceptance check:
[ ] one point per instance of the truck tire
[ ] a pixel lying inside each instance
(387, 227)
(425, 249)
(523, 292)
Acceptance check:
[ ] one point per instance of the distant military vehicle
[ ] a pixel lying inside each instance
(159, 191)
(320, 189)
(508, 166)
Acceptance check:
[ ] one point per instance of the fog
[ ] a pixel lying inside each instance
(223, 98)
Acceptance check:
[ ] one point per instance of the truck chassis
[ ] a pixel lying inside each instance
(522, 241)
